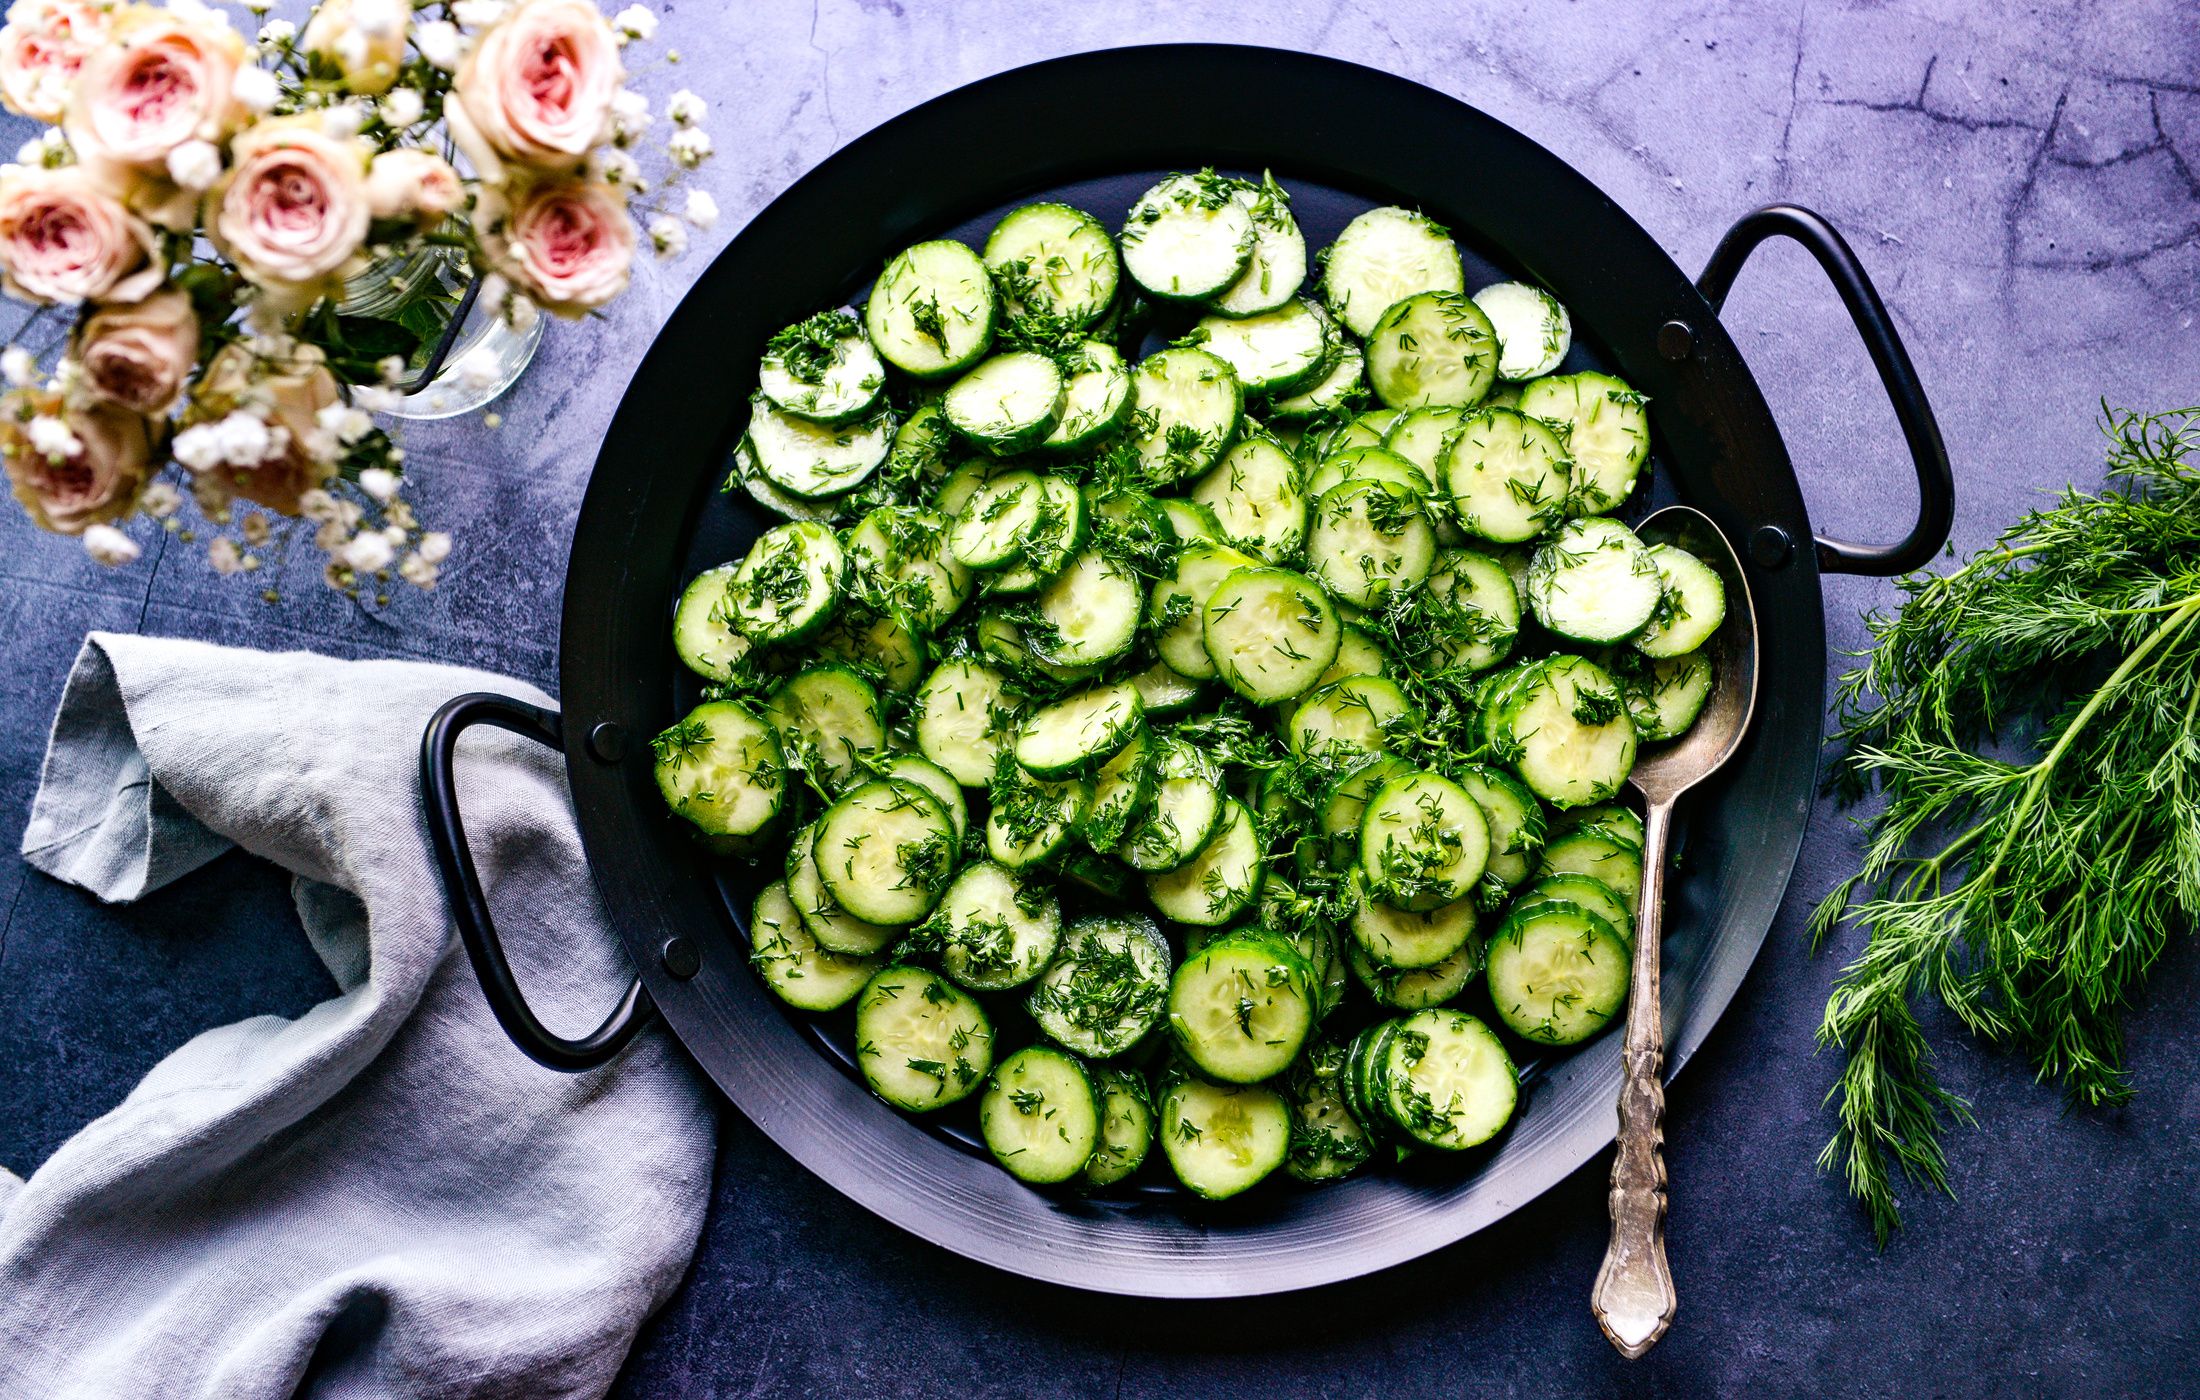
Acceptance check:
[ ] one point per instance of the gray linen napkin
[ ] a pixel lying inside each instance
(381, 1197)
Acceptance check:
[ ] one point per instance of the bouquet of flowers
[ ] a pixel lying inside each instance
(201, 202)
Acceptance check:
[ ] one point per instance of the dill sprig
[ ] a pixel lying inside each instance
(2032, 721)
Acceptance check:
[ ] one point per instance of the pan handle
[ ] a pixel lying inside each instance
(1935, 483)
(470, 907)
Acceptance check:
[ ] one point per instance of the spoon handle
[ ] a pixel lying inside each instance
(1634, 1299)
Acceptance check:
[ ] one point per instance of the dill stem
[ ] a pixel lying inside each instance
(2041, 771)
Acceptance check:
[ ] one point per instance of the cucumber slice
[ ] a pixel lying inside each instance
(1179, 606)
(1369, 539)
(1514, 818)
(1423, 842)
(1340, 385)
(963, 482)
(1079, 732)
(1692, 609)
(881, 642)
(1087, 614)
(1415, 988)
(924, 445)
(703, 634)
(1588, 892)
(1564, 729)
(1420, 435)
(1327, 1142)
(789, 585)
(744, 472)
(908, 768)
(798, 971)
(995, 931)
(834, 928)
(1381, 258)
(1432, 348)
(828, 717)
(817, 460)
(1396, 938)
(1277, 268)
(1664, 696)
(1351, 715)
(1187, 238)
(966, 716)
(1000, 514)
(1607, 434)
(1165, 693)
(1106, 987)
(1271, 633)
(1005, 642)
(1594, 581)
(1220, 881)
(885, 851)
(1187, 810)
(1032, 817)
(1271, 352)
(1040, 1116)
(1241, 1007)
(902, 551)
(1222, 1140)
(1345, 803)
(1126, 1125)
(1622, 822)
(1358, 654)
(1188, 407)
(1122, 788)
(1254, 494)
(1533, 329)
(1447, 1080)
(1363, 1058)
(1096, 401)
(1053, 260)
(922, 1042)
(1364, 463)
(1507, 475)
(822, 369)
(1190, 521)
(1470, 608)
(931, 311)
(1008, 403)
(1364, 429)
(721, 767)
(1054, 539)
(1603, 855)
(1558, 973)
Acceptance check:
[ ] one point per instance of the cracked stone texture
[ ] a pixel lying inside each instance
(2021, 181)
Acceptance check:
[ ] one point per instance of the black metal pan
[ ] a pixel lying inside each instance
(1095, 130)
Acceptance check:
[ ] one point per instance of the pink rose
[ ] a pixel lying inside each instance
(292, 212)
(63, 238)
(41, 48)
(537, 88)
(288, 393)
(163, 77)
(413, 184)
(95, 479)
(567, 244)
(138, 356)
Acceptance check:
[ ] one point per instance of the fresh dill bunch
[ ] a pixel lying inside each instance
(2031, 720)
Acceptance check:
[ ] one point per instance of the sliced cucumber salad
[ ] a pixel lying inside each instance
(1181, 709)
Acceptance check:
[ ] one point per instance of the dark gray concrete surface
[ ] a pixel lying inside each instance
(2021, 180)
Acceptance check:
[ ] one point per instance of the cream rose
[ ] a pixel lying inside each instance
(138, 356)
(409, 183)
(287, 393)
(363, 39)
(536, 90)
(568, 244)
(65, 239)
(292, 212)
(42, 46)
(94, 479)
(163, 77)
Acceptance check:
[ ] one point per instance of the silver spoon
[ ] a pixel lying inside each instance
(1634, 1299)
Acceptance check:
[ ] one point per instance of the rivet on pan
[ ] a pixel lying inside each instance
(1770, 547)
(1676, 340)
(607, 741)
(680, 957)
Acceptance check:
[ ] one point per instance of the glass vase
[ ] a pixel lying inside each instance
(471, 356)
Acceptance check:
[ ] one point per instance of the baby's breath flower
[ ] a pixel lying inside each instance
(435, 546)
(222, 556)
(254, 528)
(368, 552)
(634, 22)
(690, 146)
(685, 108)
(194, 165)
(439, 42)
(18, 366)
(110, 546)
(52, 438)
(667, 236)
(256, 90)
(618, 169)
(317, 504)
(379, 483)
(701, 210)
(331, 536)
(417, 571)
(160, 500)
(277, 32)
(343, 120)
(336, 576)
(629, 114)
(403, 107)
(478, 14)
